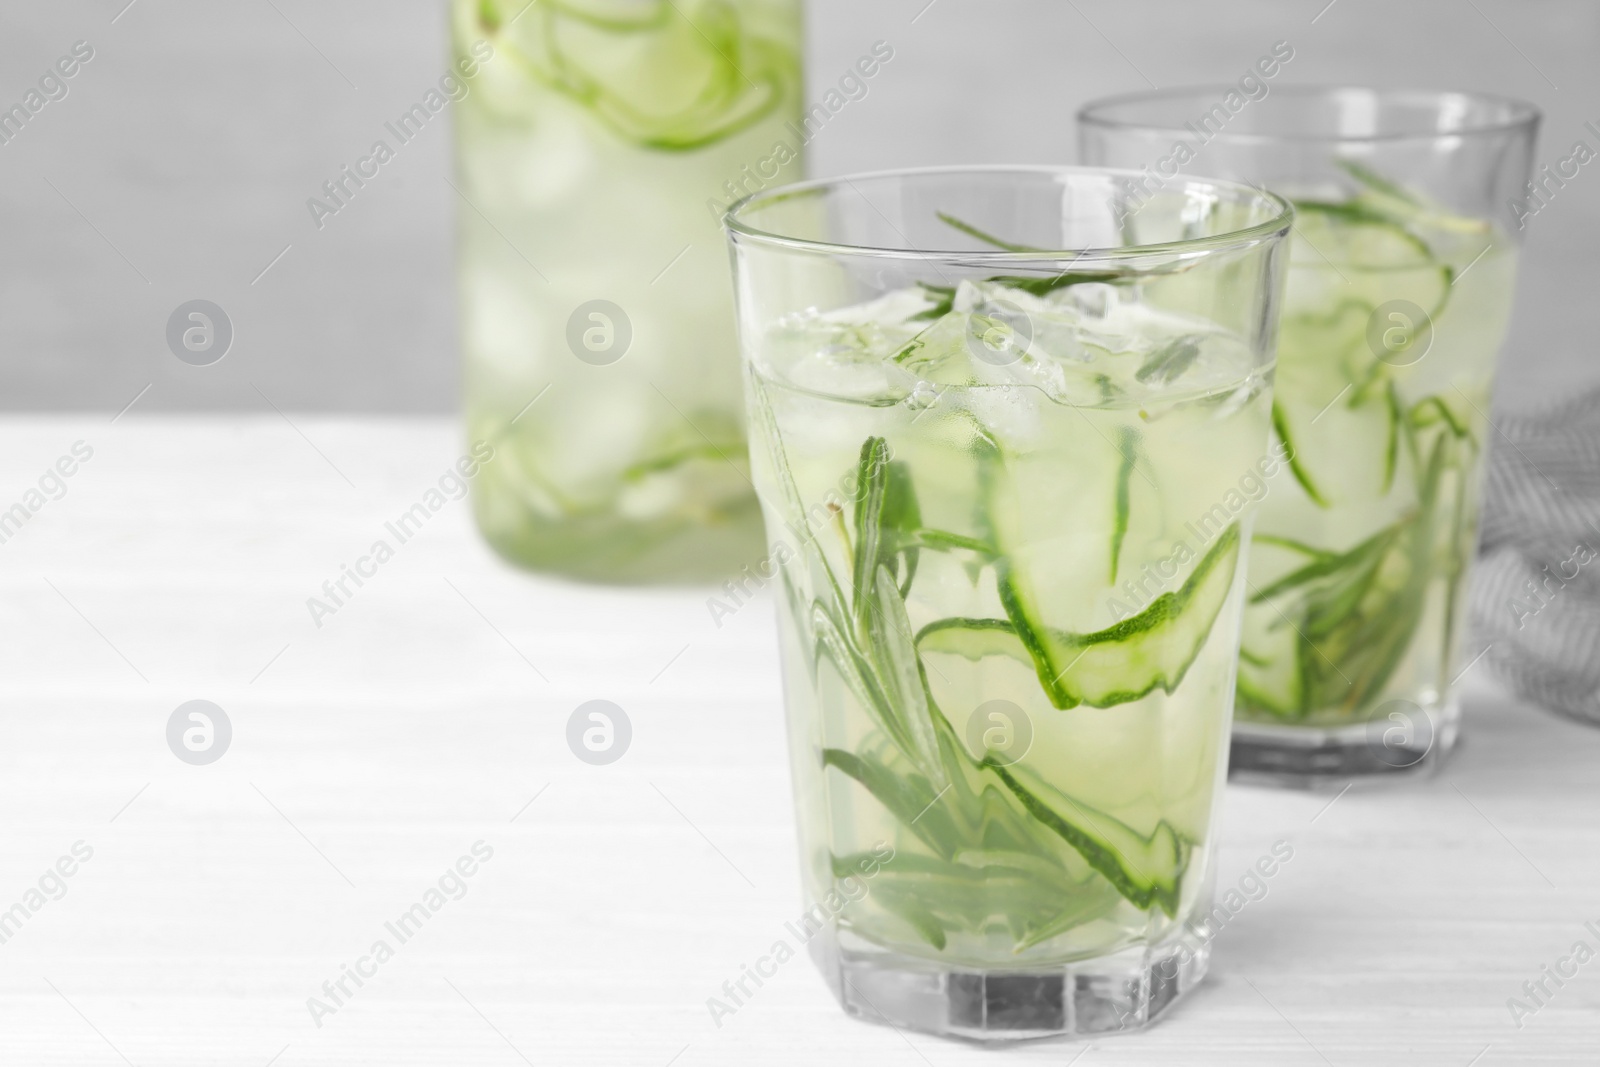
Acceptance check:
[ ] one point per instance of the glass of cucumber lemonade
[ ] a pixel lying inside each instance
(980, 401)
(596, 152)
(1400, 285)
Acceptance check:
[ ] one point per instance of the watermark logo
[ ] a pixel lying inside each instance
(52, 485)
(1143, 588)
(1251, 888)
(1251, 86)
(599, 332)
(51, 885)
(451, 885)
(1399, 333)
(852, 86)
(52, 87)
(199, 732)
(1538, 594)
(339, 191)
(1565, 968)
(1000, 732)
(599, 732)
(831, 510)
(1400, 733)
(1546, 185)
(199, 333)
(451, 485)
(846, 889)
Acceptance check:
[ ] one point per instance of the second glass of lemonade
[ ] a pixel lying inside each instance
(983, 402)
(1400, 287)
(596, 151)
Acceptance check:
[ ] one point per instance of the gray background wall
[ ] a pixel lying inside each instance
(179, 164)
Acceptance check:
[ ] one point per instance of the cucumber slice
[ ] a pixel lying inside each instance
(1355, 252)
(1351, 232)
(1433, 410)
(1146, 869)
(1407, 206)
(1006, 845)
(1124, 662)
(1330, 407)
(655, 75)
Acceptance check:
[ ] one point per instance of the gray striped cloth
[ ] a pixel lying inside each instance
(1536, 594)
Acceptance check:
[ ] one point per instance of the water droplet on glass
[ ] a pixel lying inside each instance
(922, 396)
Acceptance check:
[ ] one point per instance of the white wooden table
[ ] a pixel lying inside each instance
(429, 713)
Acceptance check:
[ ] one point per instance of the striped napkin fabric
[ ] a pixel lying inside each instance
(1536, 593)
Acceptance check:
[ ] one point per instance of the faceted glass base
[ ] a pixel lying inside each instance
(1409, 743)
(1108, 994)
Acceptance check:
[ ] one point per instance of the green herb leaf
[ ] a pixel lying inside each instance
(1045, 284)
(988, 239)
(872, 476)
(1328, 563)
(902, 522)
(889, 643)
(1127, 445)
(943, 297)
(1375, 181)
(1280, 424)
(1167, 363)
(1391, 456)
(910, 798)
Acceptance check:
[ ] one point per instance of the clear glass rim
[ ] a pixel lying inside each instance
(1521, 113)
(1281, 218)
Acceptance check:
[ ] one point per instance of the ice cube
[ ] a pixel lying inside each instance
(1039, 343)
(834, 356)
(940, 354)
(1091, 300)
(1075, 383)
(893, 310)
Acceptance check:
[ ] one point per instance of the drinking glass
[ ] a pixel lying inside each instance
(1409, 209)
(992, 416)
(597, 147)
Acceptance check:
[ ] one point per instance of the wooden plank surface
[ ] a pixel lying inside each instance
(429, 714)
